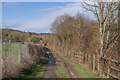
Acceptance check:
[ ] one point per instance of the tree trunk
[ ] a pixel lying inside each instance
(101, 48)
(119, 38)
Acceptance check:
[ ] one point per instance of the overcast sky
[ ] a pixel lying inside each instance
(37, 16)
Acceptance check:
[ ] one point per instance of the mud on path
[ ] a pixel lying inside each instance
(50, 71)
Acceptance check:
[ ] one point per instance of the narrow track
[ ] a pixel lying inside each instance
(72, 72)
(51, 67)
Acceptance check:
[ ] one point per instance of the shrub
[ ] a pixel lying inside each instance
(36, 39)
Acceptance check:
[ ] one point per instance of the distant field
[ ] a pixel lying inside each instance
(14, 49)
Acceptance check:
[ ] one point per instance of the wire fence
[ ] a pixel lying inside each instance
(16, 56)
(13, 49)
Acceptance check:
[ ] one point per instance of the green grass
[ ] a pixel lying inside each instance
(35, 71)
(15, 49)
(61, 71)
(82, 71)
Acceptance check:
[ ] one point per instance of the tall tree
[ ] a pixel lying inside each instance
(106, 14)
(119, 37)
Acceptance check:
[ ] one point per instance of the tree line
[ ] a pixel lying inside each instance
(79, 33)
(19, 36)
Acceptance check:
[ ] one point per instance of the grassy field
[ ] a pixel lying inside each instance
(14, 49)
(82, 71)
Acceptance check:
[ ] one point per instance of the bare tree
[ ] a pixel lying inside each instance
(107, 15)
(119, 37)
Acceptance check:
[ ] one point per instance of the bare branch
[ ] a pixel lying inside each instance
(117, 34)
(113, 44)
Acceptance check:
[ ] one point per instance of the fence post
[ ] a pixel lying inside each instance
(79, 58)
(20, 55)
(9, 48)
(86, 59)
(82, 58)
(93, 62)
(27, 49)
(89, 60)
(98, 65)
(75, 57)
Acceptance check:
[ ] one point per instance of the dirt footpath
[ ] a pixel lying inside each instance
(50, 72)
(69, 67)
(51, 67)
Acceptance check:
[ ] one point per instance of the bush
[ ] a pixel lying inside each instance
(36, 39)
